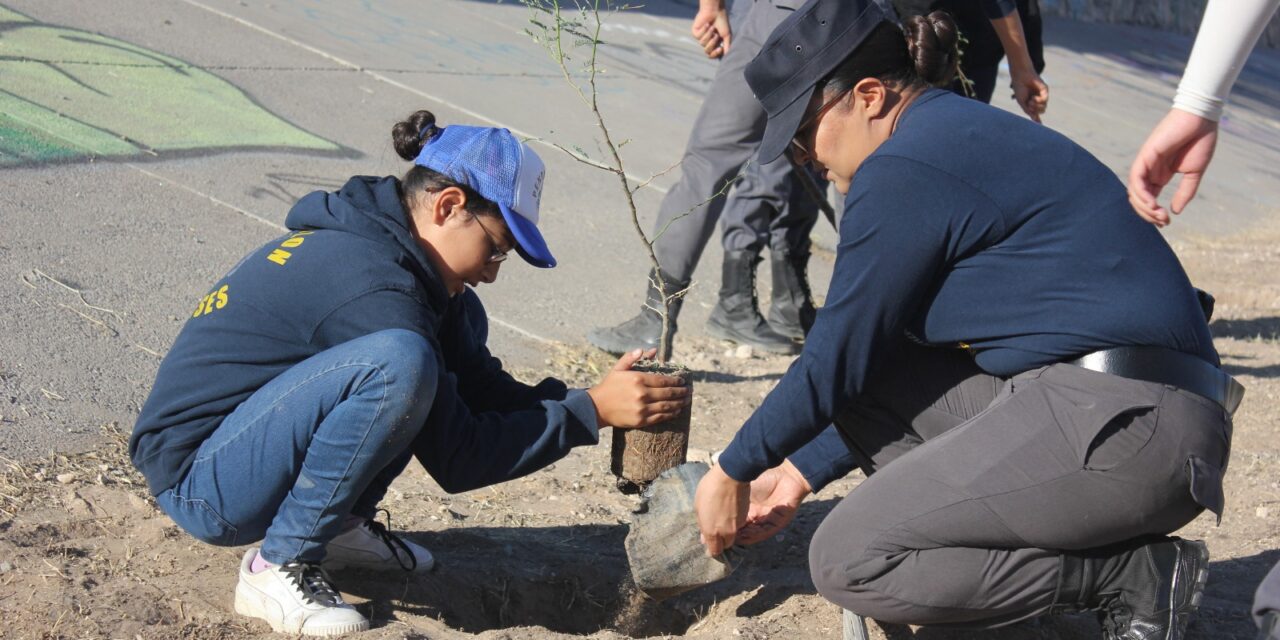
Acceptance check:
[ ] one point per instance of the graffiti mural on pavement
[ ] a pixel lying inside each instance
(68, 95)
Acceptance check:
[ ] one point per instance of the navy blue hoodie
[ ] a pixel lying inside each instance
(350, 267)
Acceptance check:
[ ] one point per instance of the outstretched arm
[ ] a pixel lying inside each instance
(1184, 141)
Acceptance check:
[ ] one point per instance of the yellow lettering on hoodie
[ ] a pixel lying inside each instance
(214, 300)
(280, 256)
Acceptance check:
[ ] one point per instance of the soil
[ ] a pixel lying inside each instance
(84, 553)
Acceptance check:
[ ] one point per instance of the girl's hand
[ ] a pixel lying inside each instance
(628, 399)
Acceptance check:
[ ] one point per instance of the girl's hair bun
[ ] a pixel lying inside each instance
(932, 42)
(407, 136)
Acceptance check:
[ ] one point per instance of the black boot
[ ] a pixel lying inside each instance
(791, 311)
(1146, 593)
(737, 314)
(645, 330)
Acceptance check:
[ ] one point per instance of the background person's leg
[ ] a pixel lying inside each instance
(725, 135)
(760, 194)
(791, 309)
(290, 463)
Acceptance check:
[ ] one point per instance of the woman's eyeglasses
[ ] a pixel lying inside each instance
(810, 122)
(496, 255)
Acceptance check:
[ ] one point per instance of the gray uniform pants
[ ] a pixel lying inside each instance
(766, 206)
(976, 484)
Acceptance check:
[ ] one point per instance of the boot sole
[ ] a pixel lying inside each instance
(1181, 616)
(718, 331)
(616, 347)
(251, 607)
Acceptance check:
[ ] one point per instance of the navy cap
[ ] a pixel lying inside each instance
(806, 47)
(500, 168)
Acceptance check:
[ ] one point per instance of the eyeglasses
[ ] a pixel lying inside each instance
(497, 255)
(802, 132)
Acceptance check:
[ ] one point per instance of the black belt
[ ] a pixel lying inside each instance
(1166, 366)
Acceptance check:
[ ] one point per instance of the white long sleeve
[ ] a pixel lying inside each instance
(1227, 34)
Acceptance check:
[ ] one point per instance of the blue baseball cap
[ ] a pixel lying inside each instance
(500, 168)
(799, 54)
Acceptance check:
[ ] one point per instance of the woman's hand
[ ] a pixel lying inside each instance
(775, 496)
(1181, 143)
(721, 503)
(711, 28)
(628, 399)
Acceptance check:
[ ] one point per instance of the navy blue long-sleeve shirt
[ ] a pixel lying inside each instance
(349, 267)
(972, 226)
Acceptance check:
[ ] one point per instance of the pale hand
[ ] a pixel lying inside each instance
(711, 30)
(1181, 143)
(627, 399)
(775, 496)
(721, 504)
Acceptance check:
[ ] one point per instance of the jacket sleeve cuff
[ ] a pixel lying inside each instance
(580, 406)
(824, 459)
(736, 467)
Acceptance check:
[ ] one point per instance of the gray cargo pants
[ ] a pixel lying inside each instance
(766, 206)
(976, 483)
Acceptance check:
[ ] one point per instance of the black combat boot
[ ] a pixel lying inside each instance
(1146, 593)
(645, 330)
(791, 311)
(737, 315)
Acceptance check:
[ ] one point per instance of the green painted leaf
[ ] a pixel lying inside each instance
(66, 92)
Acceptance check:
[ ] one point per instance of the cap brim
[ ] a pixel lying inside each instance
(781, 128)
(529, 242)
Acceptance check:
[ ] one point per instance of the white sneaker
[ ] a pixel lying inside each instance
(295, 598)
(371, 546)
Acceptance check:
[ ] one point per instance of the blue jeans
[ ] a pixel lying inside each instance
(321, 441)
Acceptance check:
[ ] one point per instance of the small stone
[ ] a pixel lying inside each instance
(728, 353)
(104, 468)
(743, 352)
(6, 566)
(38, 476)
(65, 478)
(1263, 512)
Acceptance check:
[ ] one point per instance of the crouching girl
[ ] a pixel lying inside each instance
(319, 365)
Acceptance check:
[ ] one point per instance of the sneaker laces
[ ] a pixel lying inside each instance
(313, 582)
(393, 542)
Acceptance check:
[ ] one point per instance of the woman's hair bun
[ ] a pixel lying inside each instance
(407, 136)
(933, 43)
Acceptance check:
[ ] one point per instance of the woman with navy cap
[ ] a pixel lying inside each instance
(1017, 362)
(309, 375)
